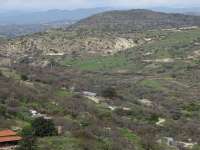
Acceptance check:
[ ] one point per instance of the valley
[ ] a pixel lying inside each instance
(119, 80)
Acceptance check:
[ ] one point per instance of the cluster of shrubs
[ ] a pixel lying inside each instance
(39, 127)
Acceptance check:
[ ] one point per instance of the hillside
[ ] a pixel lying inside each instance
(135, 20)
(102, 34)
(108, 90)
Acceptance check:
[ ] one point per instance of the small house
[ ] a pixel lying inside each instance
(9, 138)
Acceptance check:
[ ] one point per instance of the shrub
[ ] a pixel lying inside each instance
(109, 92)
(43, 127)
(24, 77)
(3, 110)
(29, 140)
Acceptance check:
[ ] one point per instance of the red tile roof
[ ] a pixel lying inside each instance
(4, 133)
(10, 139)
(9, 136)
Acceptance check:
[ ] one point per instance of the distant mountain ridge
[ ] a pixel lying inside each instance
(21, 18)
(11, 31)
(19, 23)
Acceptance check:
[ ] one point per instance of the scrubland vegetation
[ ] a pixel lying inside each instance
(130, 100)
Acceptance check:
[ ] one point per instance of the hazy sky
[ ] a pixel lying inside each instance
(74, 4)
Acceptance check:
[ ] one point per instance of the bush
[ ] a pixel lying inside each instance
(29, 140)
(24, 77)
(3, 110)
(43, 127)
(109, 92)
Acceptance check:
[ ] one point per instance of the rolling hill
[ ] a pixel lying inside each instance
(135, 20)
(102, 34)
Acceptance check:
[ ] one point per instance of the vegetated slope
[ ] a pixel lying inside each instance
(102, 34)
(144, 95)
(60, 43)
(135, 20)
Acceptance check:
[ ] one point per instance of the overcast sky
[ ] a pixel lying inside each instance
(74, 4)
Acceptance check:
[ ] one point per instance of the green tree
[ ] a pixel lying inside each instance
(24, 77)
(1, 74)
(109, 92)
(3, 110)
(43, 127)
(29, 140)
